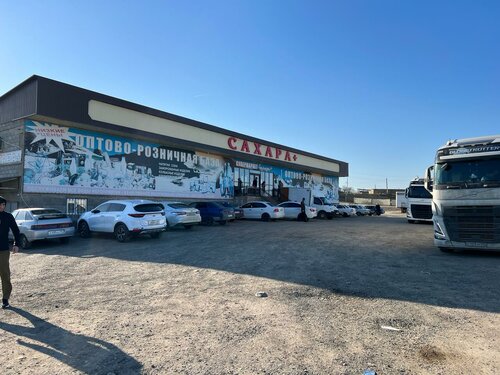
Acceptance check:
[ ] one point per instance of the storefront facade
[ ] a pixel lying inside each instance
(73, 148)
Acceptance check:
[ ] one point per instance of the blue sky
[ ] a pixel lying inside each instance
(378, 84)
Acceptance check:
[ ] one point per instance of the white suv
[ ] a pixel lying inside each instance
(124, 218)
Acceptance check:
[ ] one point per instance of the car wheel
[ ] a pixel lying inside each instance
(84, 230)
(222, 222)
(64, 239)
(122, 233)
(322, 215)
(265, 217)
(345, 214)
(188, 226)
(25, 244)
(155, 235)
(167, 225)
(411, 221)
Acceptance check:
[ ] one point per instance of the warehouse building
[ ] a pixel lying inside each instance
(69, 148)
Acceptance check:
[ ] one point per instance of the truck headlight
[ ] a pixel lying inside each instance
(438, 231)
(435, 209)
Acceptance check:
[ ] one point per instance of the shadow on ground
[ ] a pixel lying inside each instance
(83, 353)
(370, 257)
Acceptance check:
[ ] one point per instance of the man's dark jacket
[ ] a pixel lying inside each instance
(7, 222)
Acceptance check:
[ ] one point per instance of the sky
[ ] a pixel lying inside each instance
(377, 84)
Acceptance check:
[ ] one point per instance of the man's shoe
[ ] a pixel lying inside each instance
(5, 304)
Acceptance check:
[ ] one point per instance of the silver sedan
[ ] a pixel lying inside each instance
(42, 223)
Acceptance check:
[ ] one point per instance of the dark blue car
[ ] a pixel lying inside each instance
(212, 212)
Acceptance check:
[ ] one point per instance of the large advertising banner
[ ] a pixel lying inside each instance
(321, 186)
(75, 161)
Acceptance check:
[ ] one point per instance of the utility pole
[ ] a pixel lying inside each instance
(386, 186)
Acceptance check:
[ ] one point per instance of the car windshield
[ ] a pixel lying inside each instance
(468, 173)
(148, 207)
(179, 205)
(46, 211)
(418, 192)
(216, 204)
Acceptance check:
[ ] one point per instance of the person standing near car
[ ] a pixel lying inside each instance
(303, 209)
(7, 223)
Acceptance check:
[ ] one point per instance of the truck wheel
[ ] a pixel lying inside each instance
(322, 215)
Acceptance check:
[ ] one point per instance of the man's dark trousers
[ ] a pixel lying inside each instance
(5, 273)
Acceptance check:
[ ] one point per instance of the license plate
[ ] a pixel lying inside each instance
(54, 232)
(154, 222)
(475, 244)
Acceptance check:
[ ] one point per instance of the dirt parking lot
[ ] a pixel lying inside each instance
(343, 296)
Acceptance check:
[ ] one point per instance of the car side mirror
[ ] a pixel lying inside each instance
(428, 180)
(95, 211)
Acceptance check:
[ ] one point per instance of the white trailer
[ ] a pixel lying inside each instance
(401, 201)
(326, 210)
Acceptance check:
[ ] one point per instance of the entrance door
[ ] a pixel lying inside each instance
(254, 183)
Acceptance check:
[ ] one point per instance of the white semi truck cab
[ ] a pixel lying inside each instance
(419, 202)
(465, 184)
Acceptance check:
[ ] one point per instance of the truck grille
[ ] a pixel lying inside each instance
(473, 223)
(421, 211)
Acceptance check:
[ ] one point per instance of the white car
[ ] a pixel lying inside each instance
(42, 223)
(292, 210)
(346, 211)
(361, 210)
(262, 210)
(124, 218)
(181, 214)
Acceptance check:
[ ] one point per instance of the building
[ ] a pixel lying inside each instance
(69, 148)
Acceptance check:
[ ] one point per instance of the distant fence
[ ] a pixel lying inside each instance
(380, 201)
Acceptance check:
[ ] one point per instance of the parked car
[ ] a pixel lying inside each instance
(42, 223)
(238, 212)
(181, 214)
(373, 209)
(346, 211)
(262, 210)
(212, 212)
(292, 210)
(124, 218)
(361, 210)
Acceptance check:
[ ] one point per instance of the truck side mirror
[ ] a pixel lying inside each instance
(428, 181)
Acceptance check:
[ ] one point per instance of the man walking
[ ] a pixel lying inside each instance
(7, 223)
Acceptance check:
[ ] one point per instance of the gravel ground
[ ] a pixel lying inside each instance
(343, 296)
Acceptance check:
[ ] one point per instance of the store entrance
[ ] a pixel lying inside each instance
(254, 188)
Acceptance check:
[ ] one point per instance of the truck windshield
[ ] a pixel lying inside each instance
(418, 192)
(468, 173)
